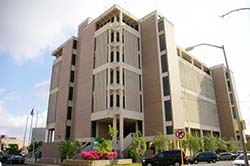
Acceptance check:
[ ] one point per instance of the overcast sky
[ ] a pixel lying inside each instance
(31, 29)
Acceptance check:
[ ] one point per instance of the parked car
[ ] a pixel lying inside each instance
(203, 157)
(240, 160)
(171, 157)
(0, 163)
(4, 158)
(15, 159)
(227, 156)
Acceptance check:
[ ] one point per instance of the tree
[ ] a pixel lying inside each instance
(138, 146)
(221, 145)
(232, 145)
(209, 143)
(68, 148)
(248, 145)
(13, 149)
(193, 143)
(161, 143)
(104, 145)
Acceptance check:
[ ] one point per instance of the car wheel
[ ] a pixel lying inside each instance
(213, 160)
(177, 163)
(196, 161)
(149, 164)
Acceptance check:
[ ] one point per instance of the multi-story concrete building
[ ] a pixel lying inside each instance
(129, 73)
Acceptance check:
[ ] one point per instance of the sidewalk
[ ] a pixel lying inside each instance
(40, 164)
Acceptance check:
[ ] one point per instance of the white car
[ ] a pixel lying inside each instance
(239, 161)
(0, 163)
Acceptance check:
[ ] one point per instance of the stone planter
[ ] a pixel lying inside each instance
(97, 162)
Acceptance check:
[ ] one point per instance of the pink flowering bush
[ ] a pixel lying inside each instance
(95, 155)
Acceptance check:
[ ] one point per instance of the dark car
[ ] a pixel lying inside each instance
(203, 157)
(4, 158)
(15, 159)
(171, 157)
(227, 156)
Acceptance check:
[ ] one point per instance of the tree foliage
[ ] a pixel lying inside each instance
(193, 143)
(105, 145)
(161, 143)
(248, 145)
(13, 149)
(37, 145)
(68, 148)
(221, 145)
(138, 146)
(232, 145)
(209, 143)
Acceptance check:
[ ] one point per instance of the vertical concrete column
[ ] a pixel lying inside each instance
(114, 139)
(136, 125)
(120, 17)
(97, 129)
(121, 131)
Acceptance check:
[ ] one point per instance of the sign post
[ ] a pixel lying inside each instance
(180, 134)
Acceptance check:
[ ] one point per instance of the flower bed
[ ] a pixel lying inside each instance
(95, 155)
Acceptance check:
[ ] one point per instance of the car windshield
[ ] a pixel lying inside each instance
(241, 157)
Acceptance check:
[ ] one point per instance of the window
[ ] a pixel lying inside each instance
(112, 57)
(231, 98)
(139, 61)
(73, 60)
(169, 130)
(74, 44)
(166, 90)
(162, 42)
(70, 93)
(164, 63)
(168, 111)
(72, 76)
(117, 76)
(112, 36)
(234, 113)
(124, 100)
(160, 26)
(123, 76)
(117, 100)
(69, 113)
(229, 86)
(140, 82)
(117, 56)
(117, 36)
(111, 76)
(67, 135)
(111, 100)
(140, 103)
(138, 43)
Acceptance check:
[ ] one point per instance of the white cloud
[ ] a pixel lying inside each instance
(42, 89)
(14, 125)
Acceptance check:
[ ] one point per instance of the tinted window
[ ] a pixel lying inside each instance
(162, 42)
(168, 111)
(164, 64)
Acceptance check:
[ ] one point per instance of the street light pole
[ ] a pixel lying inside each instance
(243, 146)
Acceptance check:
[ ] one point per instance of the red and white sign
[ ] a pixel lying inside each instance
(180, 133)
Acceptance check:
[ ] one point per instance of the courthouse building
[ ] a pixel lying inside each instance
(129, 73)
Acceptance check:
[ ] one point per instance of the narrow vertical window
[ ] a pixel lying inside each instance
(117, 36)
(117, 100)
(111, 101)
(123, 76)
(138, 43)
(168, 111)
(160, 26)
(112, 36)
(162, 42)
(140, 82)
(69, 113)
(112, 57)
(70, 93)
(73, 60)
(124, 100)
(117, 56)
(140, 103)
(164, 63)
(117, 76)
(111, 76)
(72, 76)
(74, 44)
(169, 130)
(67, 134)
(166, 90)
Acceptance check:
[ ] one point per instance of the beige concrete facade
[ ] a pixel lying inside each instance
(130, 74)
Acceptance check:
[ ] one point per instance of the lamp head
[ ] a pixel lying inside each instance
(189, 48)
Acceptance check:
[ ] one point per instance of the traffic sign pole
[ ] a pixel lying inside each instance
(182, 160)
